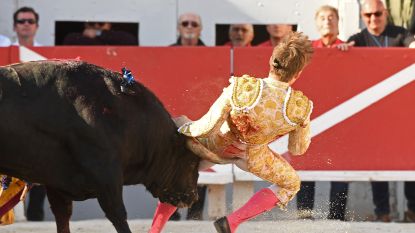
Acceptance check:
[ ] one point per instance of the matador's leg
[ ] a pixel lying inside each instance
(272, 167)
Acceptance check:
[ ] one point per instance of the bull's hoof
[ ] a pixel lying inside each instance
(222, 225)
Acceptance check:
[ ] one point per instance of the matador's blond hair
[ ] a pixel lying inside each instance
(291, 56)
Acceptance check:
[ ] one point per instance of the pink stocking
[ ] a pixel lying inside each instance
(161, 216)
(261, 201)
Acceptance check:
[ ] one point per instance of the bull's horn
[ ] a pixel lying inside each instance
(196, 147)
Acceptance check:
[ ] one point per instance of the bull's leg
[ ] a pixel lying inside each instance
(61, 208)
(111, 202)
(106, 174)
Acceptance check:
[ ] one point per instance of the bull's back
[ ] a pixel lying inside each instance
(46, 109)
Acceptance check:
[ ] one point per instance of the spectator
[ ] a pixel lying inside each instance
(25, 24)
(100, 33)
(4, 41)
(378, 33)
(276, 32)
(240, 35)
(412, 23)
(189, 27)
(327, 20)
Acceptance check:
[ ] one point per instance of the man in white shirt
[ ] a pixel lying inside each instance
(25, 24)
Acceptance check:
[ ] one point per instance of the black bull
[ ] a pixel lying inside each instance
(66, 124)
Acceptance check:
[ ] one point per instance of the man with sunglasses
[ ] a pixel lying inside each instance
(379, 33)
(25, 24)
(189, 27)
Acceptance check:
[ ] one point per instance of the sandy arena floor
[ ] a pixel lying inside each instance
(289, 226)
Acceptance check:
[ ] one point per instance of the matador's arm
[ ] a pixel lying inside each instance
(299, 109)
(213, 119)
(299, 139)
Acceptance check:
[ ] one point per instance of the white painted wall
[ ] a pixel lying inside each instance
(157, 18)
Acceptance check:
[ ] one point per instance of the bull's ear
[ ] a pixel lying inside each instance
(200, 150)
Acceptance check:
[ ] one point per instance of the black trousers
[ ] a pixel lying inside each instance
(410, 193)
(35, 210)
(338, 198)
(380, 192)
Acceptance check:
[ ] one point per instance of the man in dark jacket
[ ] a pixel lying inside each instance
(378, 33)
(189, 27)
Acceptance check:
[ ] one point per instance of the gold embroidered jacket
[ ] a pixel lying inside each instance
(255, 111)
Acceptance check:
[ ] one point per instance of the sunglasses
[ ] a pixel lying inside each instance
(23, 21)
(191, 23)
(376, 14)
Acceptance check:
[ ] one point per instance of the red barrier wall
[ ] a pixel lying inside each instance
(4, 56)
(188, 80)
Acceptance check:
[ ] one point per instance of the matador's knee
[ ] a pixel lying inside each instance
(272, 167)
